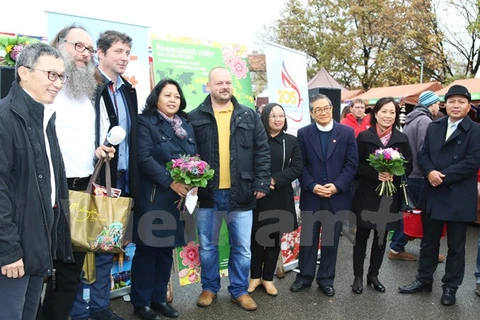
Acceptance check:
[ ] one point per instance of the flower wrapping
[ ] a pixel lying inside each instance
(387, 160)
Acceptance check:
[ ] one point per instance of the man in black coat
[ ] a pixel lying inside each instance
(449, 160)
(231, 138)
(34, 210)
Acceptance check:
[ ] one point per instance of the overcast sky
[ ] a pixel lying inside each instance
(216, 20)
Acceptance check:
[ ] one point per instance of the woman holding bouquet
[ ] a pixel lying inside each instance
(164, 133)
(373, 211)
(286, 166)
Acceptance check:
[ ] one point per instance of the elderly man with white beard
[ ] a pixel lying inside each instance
(75, 126)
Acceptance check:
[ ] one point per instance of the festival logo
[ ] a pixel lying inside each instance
(290, 97)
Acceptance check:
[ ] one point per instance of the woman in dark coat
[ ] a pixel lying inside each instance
(366, 201)
(286, 166)
(164, 133)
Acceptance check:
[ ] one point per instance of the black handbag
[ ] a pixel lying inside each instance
(406, 202)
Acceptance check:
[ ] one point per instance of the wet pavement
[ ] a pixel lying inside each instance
(311, 303)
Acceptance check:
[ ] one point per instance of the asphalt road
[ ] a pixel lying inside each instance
(311, 303)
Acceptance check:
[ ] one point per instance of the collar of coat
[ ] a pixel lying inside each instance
(206, 105)
(370, 135)
(464, 125)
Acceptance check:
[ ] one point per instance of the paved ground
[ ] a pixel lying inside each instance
(345, 305)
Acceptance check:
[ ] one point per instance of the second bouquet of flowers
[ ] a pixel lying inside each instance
(192, 171)
(387, 160)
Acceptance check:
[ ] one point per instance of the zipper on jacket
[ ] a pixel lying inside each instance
(283, 160)
(54, 279)
(154, 189)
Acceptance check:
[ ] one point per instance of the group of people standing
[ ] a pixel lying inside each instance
(56, 118)
(54, 123)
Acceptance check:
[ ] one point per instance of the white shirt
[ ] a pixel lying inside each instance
(326, 128)
(48, 111)
(75, 126)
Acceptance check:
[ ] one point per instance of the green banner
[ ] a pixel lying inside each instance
(188, 62)
(187, 259)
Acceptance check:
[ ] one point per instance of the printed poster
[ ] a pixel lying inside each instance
(188, 62)
(187, 259)
(288, 84)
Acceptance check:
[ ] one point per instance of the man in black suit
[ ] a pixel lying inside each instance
(449, 161)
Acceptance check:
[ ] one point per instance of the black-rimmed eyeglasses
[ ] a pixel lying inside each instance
(80, 47)
(52, 75)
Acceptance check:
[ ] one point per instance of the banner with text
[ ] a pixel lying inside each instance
(188, 62)
(287, 83)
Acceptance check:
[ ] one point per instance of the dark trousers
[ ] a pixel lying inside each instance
(360, 249)
(264, 259)
(58, 301)
(99, 290)
(19, 297)
(307, 257)
(151, 268)
(430, 247)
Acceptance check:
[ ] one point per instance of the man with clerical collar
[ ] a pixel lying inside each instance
(330, 159)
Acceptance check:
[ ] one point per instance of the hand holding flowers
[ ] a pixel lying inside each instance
(188, 172)
(389, 163)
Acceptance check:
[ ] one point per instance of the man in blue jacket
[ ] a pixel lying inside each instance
(330, 163)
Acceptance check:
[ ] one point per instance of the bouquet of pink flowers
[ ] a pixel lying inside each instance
(190, 170)
(391, 161)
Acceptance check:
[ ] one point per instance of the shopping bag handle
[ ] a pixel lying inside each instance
(96, 173)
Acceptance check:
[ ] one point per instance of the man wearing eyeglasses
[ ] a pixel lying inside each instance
(75, 126)
(34, 228)
(115, 104)
(330, 162)
(357, 119)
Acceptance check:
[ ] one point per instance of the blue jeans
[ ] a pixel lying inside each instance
(19, 297)
(399, 241)
(99, 290)
(477, 274)
(239, 223)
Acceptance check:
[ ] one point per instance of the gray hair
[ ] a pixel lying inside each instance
(319, 96)
(29, 56)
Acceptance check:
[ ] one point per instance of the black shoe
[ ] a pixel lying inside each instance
(377, 285)
(146, 313)
(298, 286)
(105, 314)
(448, 296)
(416, 286)
(165, 309)
(329, 291)
(357, 286)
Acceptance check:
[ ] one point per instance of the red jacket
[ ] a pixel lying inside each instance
(351, 121)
